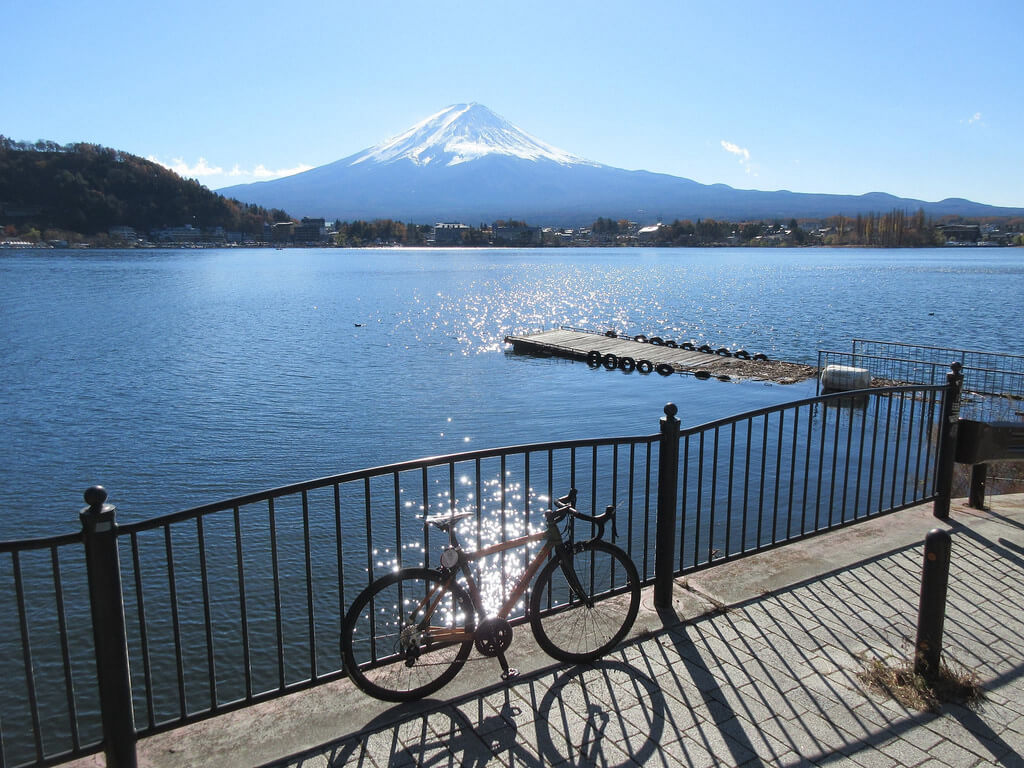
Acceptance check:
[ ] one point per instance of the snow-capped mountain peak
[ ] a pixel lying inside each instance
(461, 133)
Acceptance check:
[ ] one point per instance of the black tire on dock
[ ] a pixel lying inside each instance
(644, 366)
(705, 348)
(641, 338)
(671, 343)
(610, 361)
(594, 358)
(664, 369)
(611, 334)
(627, 363)
(702, 375)
(741, 354)
(723, 352)
(761, 357)
(657, 340)
(688, 346)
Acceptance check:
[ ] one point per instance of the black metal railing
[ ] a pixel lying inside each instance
(155, 624)
(783, 473)
(49, 704)
(968, 358)
(993, 387)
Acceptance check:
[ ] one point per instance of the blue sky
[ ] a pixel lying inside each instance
(917, 99)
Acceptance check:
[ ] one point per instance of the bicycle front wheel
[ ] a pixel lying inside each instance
(565, 626)
(407, 634)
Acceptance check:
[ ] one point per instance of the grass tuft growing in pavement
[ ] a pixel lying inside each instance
(954, 684)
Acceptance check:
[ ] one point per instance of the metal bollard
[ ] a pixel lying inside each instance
(948, 428)
(668, 482)
(106, 601)
(979, 474)
(932, 611)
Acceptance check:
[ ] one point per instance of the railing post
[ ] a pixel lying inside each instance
(947, 442)
(668, 482)
(932, 611)
(979, 474)
(106, 600)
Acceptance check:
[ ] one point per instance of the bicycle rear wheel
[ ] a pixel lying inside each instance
(564, 626)
(407, 634)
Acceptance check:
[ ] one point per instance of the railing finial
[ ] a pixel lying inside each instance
(671, 410)
(94, 496)
(957, 366)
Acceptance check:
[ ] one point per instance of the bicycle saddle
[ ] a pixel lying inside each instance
(444, 522)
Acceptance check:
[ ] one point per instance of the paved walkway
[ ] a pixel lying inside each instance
(758, 664)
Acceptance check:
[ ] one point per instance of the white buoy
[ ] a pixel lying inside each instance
(841, 378)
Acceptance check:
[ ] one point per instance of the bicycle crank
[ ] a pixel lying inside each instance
(493, 636)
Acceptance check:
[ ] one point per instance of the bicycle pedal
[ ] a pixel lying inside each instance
(509, 673)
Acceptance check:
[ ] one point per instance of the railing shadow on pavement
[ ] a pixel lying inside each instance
(772, 680)
(775, 679)
(609, 714)
(772, 693)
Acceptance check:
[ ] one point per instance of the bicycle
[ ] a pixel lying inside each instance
(417, 626)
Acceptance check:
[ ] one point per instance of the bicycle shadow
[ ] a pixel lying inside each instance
(606, 714)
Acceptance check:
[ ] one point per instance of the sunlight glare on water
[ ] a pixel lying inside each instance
(200, 375)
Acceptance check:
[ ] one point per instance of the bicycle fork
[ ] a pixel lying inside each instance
(565, 558)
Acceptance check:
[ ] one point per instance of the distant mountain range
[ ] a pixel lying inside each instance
(468, 164)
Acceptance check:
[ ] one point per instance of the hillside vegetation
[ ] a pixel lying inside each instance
(87, 189)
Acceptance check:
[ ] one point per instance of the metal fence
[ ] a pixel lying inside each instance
(228, 604)
(772, 476)
(993, 386)
(968, 358)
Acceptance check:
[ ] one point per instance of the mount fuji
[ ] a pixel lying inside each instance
(468, 164)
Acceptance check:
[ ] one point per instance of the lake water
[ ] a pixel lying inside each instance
(175, 378)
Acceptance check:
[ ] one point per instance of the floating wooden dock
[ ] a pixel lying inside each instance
(629, 354)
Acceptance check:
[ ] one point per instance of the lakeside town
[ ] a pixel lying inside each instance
(889, 230)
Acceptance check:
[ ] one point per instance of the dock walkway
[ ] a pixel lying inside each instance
(627, 353)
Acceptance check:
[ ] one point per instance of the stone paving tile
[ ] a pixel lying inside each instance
(872, 714)
(679, 714)
(904, 753)
(725, 741)
(953, 755)
(495, 713)
(679, 750)
(869, 757)
(353, 752)
(386, 746)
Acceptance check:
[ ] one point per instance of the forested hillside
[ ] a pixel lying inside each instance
(87, 189)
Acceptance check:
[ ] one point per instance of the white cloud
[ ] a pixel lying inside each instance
(734, 149)
(197, 171)
(742, 153)
(975, 118)
(263, 173)
(212, 175)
